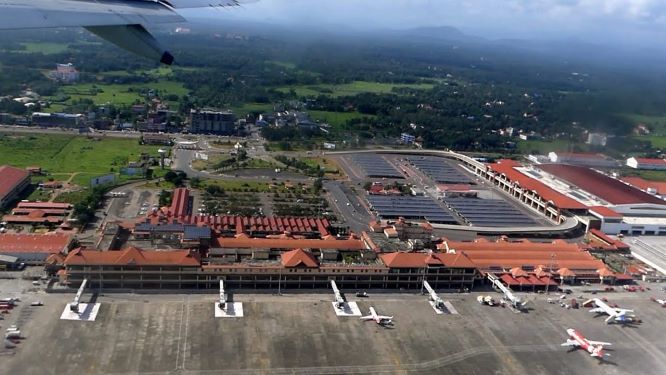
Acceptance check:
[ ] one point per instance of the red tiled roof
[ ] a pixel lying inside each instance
(507, 255)
(132, 256)
(180, 202)
(605, 212)
(643, 184)
(45, 205)
(10, 178)
(507, 167)
(419, 260)
(288, 243)
(34, 217)
(33, 243)
(565, 272)
(604, 187)
(299, 257)
(509, 280)
(651, 161)
(28, 211)
(606, 240)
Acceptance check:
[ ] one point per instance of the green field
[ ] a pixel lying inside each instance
(544, 147)
(45, 48)
(71, 154)
(656, 124)
(246, 108)
(336, 119)
(655, 140)
(648, 175)
(126, 94)
(350, 89)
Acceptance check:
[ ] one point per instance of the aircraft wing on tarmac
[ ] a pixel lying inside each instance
(379, 319)
(121, 22)
(620, 315)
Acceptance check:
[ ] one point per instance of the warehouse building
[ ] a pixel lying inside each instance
(34, 248)
(647, 163)
(13, 181)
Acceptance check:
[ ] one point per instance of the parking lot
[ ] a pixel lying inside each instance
(300, 334)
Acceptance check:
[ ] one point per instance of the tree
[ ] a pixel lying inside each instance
(317, 185)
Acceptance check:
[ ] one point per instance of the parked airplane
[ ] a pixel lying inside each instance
(595, 348)
(121, 22)
(615, 314)
(662, 302)
(379, 319)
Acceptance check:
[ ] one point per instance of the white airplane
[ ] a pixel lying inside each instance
(615, 314)
(379, 319)
(661, 302)
(595, 348)
(121, 22)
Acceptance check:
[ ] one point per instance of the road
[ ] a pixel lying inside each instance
(348, 206)
(39, 130)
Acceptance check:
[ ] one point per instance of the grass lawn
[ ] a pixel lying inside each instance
(544, 147)
(45, 48)
(648, 175)
(350, 89)
(70, 154)
(125, 94)
(72, 197)
(655, 140)
(657, 124)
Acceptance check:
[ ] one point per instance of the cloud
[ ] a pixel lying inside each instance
(491, 18)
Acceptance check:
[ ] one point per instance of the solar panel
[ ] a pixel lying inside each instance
(376, 166)
(488, 212)
(410, 207)
(439, 170)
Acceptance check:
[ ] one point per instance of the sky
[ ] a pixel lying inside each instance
(622, 21)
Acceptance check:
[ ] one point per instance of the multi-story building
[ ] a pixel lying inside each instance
(212, 122)
(64, 120)
(134, 268)
(65, 73)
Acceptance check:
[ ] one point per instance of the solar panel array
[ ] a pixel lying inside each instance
(376, 166)
(439, 170)
(488, 212)
(410, 207)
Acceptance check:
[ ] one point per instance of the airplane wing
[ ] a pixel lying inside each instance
(384, 317)
(367, 317)
(597, 310)
(597, 343)
(121, 22)
(206, 3)
(27, 14)
(571, 343)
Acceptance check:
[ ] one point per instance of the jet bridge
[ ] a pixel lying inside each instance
(438, 304)
(226, 309)
(513, 300)
(76, 310)
(341, 306)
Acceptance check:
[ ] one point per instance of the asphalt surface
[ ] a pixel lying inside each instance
(300, 334)
(649, 249)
